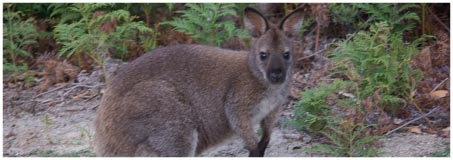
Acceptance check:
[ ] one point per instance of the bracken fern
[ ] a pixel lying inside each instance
(393, 14)
(379, 60)
(86, 37)
(204, 23)
(16, 34)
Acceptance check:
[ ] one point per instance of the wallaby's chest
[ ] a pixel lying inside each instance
(271, 100)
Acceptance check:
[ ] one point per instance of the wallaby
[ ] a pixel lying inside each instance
(184, 99)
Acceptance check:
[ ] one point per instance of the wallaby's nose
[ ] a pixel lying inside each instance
(276, 76)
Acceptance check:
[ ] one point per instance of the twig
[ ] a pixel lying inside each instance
(421, 112)
(69, 90)
(318, 29)
(352, 35)
(438, 85)
(87, 86)
(349, 38)
(77, 85)
(314, 54)
(439, 21)
(90, 98)
(53, 90)
(95, 106)
(407, 123)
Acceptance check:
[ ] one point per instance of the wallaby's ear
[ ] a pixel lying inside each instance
(292, 22)
(255, 22)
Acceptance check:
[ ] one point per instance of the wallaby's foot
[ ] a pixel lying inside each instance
(256, 153)
(263, 145)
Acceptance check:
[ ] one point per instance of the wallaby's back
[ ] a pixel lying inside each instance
(180, 62)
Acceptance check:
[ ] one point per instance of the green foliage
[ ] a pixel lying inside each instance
(347, 140)
(39, 10)
(379, 60)
(313, 112)
(318, 113)
(69, 12)
(443, 153)
(86, 36)
(28, 79)
(9, 67)
(375, 62)
(307, 23)
(17, 33)
(203, 21)
(47, 123)
(394, 14)
(345, 14)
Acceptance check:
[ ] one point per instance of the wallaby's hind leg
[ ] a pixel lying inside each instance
(171, 142)
(172, 136)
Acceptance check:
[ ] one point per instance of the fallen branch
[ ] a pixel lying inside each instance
(314, 54)
(411, 121)
(422, 113)
(439, 21)
(438, 85)
(90, 98)
(77, 85)
(53, 90)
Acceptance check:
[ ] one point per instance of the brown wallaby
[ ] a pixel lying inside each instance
(184, 99)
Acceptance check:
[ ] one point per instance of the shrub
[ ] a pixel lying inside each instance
(204, 23)
(313, 112)
(17, 33)
(98, 31)
(344, 14)
(379, 60)
(347, 140)
(376, 63)
(394, 14)
(332, 111)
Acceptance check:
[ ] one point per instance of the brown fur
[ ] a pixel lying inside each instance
(181, 100)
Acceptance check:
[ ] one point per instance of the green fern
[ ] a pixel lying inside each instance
(347, 140)
(313, 113)
(85, 36)
(345, 14)
(17, 33)
(380, 60)
(318, 113)
(203, 22)
(393, 14)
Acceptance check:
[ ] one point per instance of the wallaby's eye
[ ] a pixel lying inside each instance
(263, 56)
(286, 55)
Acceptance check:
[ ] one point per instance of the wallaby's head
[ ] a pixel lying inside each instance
(271, 55)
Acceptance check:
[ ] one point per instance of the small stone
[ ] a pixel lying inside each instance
(398, 121)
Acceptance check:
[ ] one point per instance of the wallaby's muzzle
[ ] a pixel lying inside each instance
(276, 70)
(276, 76)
